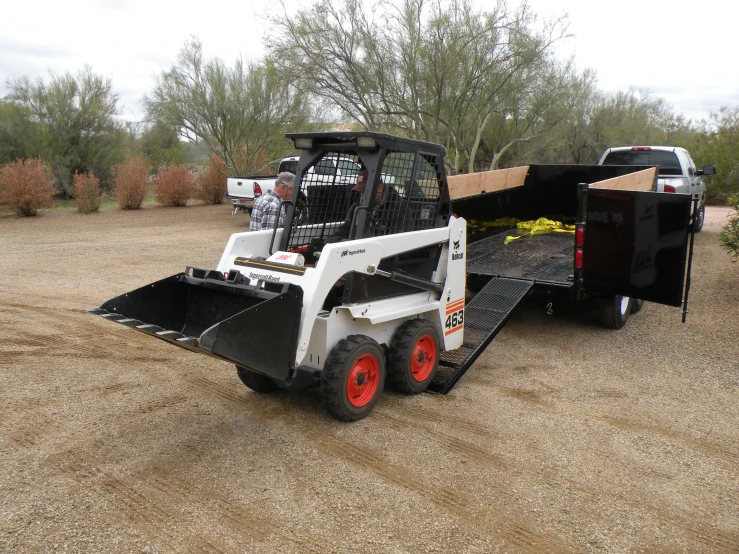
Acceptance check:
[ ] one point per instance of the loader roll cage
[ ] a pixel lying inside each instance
(406, 188)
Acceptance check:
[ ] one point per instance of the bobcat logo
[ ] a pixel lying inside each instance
(457, 255)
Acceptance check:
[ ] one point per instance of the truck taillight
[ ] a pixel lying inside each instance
(641, 148)
(578, 258)
(257, 190)
(580, 236)
(669, 188)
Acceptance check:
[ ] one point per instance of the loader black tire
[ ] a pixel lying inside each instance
(353, 378)
(636, 305)
(615, 312)
(413, 357)
(256, 381)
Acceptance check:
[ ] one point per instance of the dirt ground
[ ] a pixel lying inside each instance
(564, 436)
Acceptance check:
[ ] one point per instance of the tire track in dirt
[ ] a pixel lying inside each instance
(70, 334)
(13, 405)
(717, 540)
(162, 524)
(151, 516)
(434, 417)
(724, 453)
(35, 428)
(456, 504)
(451, 443)
(102, 420)
(492, 463)
(198, 383)
(247, 523)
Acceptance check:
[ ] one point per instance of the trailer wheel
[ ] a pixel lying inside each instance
(614, 313)
(353, 378)
(256, 381)
(636, 305)
(413, 356)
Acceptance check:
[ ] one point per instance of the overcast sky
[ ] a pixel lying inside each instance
(682, 51)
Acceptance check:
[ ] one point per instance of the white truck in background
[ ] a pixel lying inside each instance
(243, 191)
(676, 171)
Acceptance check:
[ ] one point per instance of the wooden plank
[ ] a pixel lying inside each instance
(640, 180)
(471, 184)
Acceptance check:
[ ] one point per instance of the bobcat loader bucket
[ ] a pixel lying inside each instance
(244, 324)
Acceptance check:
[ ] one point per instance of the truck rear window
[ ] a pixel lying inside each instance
(291, 166)
(667, 161)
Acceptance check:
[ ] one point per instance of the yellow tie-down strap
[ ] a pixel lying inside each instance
(475, 225)
(541, 225)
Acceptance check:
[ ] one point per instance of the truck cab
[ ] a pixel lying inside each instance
(676, 171)
(332, 170)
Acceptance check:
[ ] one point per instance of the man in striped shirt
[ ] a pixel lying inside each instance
(267, 208)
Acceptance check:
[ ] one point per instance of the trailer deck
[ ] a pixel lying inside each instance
(542, 257)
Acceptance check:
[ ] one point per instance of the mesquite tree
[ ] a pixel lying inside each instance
(434, 70)
(236, 113)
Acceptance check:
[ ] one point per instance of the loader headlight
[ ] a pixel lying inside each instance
(366, 142)
(303, 143)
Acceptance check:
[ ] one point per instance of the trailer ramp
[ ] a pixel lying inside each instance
(484, 317)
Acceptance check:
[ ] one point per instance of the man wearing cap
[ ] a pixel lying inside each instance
(268, 207)
(385, 212)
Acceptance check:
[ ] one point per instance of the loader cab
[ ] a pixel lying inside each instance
(414, 197)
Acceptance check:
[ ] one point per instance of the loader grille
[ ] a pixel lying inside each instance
(484, 317)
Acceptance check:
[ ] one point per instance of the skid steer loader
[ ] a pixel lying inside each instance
(295, 307)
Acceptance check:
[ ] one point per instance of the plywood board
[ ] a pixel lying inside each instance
(640, 180)
(471, 184)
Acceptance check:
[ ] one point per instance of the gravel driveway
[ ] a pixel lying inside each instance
(564, 436)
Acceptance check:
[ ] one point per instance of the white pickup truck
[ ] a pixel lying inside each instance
(243, 191)
(676, 171)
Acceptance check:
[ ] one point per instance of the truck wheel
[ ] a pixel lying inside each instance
(256, 381)
(614, 313)
(636, 305)
(413, 356)
(353, 378)
(700, 218)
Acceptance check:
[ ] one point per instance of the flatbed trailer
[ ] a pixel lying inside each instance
(626, 246)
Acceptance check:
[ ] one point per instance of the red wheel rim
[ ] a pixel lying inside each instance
(424, 358)
(364, 378)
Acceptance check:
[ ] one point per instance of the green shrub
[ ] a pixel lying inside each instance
(86, 190)
(211, 188)
(174, 185)
(129, 182)
(729, 235)
(26, 186)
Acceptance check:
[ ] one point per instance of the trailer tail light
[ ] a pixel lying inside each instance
(257, 190)
(580, 236)
(669, 188)
(641, 148)
(578, 258)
